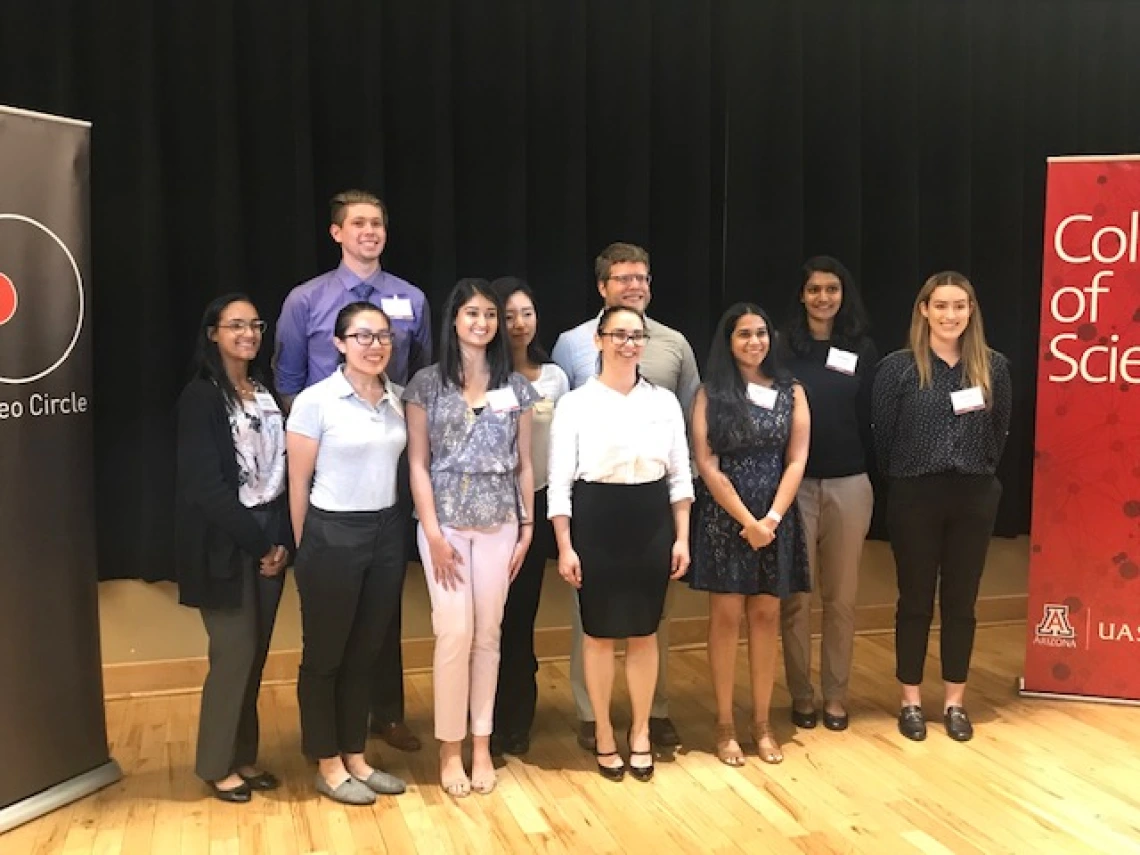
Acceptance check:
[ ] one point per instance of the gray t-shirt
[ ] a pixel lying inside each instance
(667, 362)
(360, 445)
(474, 456)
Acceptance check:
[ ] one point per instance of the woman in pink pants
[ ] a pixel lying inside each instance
(469, 453)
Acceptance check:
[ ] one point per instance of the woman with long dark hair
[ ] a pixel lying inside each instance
(517, 694)
(619, 467)
(345, 437)
(940, 414)
(232, 538)
(833, 357)
(750, 438)
(469, 429)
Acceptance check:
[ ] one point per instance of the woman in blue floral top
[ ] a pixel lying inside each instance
(469, 425)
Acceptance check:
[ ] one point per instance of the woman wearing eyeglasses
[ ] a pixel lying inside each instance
(232, 536)
(619, 467)
(469, 424)
(751, 429)
(345, 436)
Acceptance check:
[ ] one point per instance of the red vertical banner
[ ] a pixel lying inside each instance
(1083, 628)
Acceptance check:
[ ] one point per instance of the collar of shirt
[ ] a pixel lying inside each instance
(350, 280)
(391, 395)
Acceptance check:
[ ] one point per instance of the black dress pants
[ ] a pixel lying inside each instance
(350, 575)
(940, 528)
(517, 694)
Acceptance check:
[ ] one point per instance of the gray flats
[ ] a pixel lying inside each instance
(354, 791)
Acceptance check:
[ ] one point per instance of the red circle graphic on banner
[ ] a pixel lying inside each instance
(8, 299)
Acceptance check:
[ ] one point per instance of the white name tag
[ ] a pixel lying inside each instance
(397, 308)
(967, 400)
(502, 400)
(843, 361)
(762, 396)
(266, 402)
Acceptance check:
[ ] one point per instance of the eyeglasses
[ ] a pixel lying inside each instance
(630, 278)
(365, 337)
(620, 337)
(244, 326)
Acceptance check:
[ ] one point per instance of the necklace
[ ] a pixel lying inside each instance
(246, 391)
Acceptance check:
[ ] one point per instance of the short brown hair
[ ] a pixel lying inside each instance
(338, 205)
(618, 253)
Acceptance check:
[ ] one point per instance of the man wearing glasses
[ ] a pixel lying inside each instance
(305, 355)
(622, 273)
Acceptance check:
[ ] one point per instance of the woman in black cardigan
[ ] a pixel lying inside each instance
(232, 536)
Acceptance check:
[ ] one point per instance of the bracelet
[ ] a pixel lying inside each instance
(526, 523)
(774, 516)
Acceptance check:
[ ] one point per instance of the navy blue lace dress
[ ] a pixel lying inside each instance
(723, 562)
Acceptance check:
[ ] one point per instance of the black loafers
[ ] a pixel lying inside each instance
(835, 722)
(912, 723)
(587, 738)
(958, 725)
(238, 795)
(261, 781)
(804, 720)
(662, 733)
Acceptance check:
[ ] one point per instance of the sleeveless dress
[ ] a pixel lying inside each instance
(723, 562)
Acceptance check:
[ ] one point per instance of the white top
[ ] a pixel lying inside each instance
(258, 430)
(551, 384)
(360, 445)
(600, 435)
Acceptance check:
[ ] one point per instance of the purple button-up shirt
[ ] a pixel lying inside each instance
(305, 352)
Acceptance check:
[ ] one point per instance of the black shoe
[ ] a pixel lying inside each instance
(958, 725)
(663, 733)
(516, 744)
(261, 781)
(587, 738)
(640, 773)
(615, 773)
(238, 795)
(804, 720)
(835, 722)
(912, 723)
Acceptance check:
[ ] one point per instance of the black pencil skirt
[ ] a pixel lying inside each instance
(623, 534)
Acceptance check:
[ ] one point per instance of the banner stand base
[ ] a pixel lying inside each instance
(1058, 696)
(61, 794)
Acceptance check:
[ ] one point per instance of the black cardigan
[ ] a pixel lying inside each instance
(215, 536)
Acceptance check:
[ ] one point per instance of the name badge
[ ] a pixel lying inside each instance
(967, 400)
(397, 308)
(502, 400)
(762, 396)
(266, 402)
(843, 361)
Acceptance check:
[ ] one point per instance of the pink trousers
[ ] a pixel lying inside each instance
(466, 623)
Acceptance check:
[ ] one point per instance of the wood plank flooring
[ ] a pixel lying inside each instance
(1039, 777)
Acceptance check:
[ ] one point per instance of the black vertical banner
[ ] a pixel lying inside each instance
(53, 742)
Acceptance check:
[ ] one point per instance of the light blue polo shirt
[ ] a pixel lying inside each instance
(360, 445)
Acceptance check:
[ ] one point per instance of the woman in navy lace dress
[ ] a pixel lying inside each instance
(750, 439)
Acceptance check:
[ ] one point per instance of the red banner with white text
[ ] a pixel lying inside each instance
(1084, 572)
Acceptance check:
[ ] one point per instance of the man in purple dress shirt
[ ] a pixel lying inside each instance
(305, 354)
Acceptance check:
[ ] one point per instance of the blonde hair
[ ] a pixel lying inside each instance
(976, 354)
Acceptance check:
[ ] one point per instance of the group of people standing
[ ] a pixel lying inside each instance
(509, 457)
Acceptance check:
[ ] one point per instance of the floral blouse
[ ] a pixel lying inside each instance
(259, 442)
(474, 454)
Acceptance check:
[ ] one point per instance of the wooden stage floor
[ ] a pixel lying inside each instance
(1039, 777)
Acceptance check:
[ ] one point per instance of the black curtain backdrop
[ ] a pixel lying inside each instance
(733, 138)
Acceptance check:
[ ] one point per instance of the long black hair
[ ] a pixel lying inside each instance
(507, 286)
(850, 324)
(207, 362)
(729, 422)
(450, 359)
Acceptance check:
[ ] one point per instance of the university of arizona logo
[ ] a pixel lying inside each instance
(1055, 629)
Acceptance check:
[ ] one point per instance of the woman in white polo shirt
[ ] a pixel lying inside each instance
(344, 440)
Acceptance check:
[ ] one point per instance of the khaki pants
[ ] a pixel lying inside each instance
(836, 514)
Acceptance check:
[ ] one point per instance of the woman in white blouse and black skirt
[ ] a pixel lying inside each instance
(940, 415)
(619, 466)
